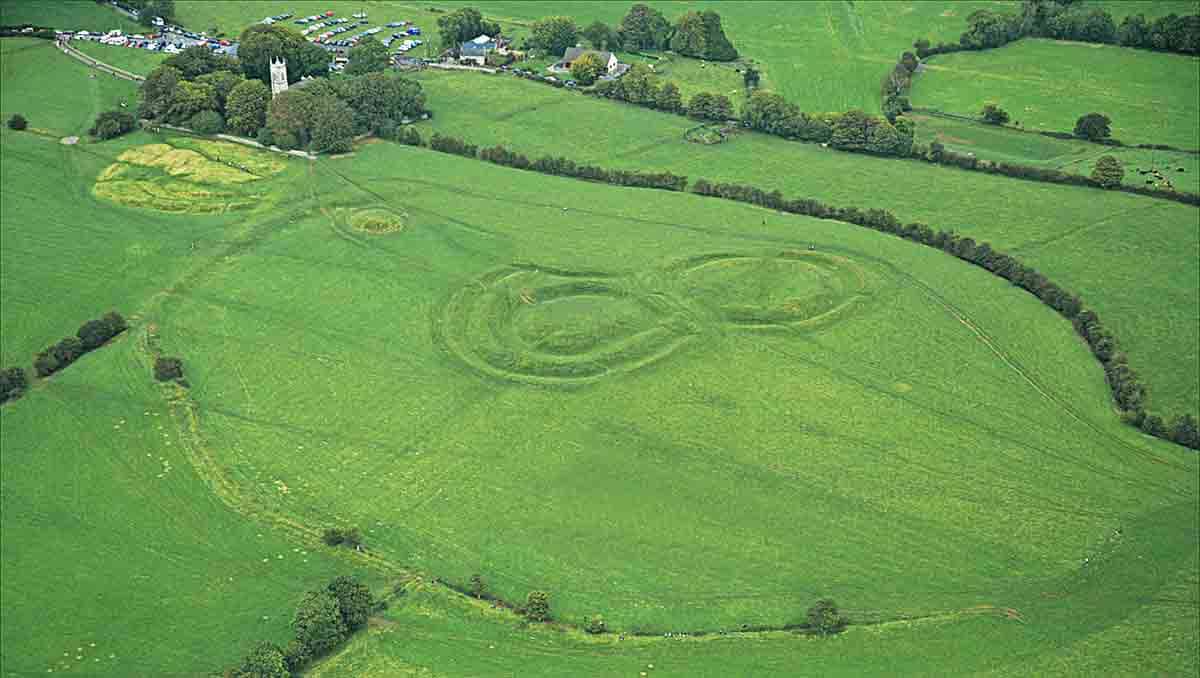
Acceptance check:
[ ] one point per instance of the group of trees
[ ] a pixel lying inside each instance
(463, 24)
(1068, 20)
(13, 383)
(695, 34)
(211, 93)
(91, 335)
(111, 124)
(323, 619)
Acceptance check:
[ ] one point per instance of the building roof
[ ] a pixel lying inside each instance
(476, 49)
(574, 53)
(482, 40)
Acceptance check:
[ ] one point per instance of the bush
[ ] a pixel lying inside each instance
(336, 536)
(354, 601)
(112, 124)
(1093, 126)
(266, 660)
(1185, 431)
(264, 136)
(595, 625)
(318, 623)
(168, 369)
(13, 383)
(407, 134)
(1108, 172)
(206, 122)
(993, 114)
(478, 587)
(452, 145)
(17, 122)
(537, 606)
(824, 618)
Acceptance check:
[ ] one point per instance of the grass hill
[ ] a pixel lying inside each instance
(685, 414)
(1047, 84)
(1124, 254)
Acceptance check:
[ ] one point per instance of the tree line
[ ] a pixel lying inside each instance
(1127, 389)
(1070, 20)
(697, 34)
(91, 335)
(323, 620)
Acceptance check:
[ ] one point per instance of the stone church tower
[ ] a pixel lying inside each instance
(278, 76)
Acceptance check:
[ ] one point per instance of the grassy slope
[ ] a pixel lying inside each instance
(1124, 254)
(138, 61)
(603, 494)
(174, 581)
(1047, 85)
(66, 15)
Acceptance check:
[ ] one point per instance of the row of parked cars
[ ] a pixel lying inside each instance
(170, 43)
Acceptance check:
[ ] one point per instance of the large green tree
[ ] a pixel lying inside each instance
(190, 98)
(222, 83)
(331, 128)
(554, 34)
(158, 91)
(699, 34)
(318, 622)
(1108, 172)
(354, 601)
(587, 68)
(264, 661)
(260, 43)
(379, 98)
(198, 60)
(824, 618)
(368, 56)
(288, 118)
(602, 36)
(1093, 126)
(644, 28)
(246, 107)
(463, 24)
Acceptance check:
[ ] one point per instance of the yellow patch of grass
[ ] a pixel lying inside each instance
(168, 196)
(180, 162)
(377, 221)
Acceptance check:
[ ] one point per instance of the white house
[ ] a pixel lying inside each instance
(607, 58)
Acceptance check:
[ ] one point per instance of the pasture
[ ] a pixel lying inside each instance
(575, 389)
(1046, 85)
(681, 413)
(1123, 254)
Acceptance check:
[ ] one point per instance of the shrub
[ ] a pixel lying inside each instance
(824, 618)
(354, 601)
(332, 536)
(1093, 126)
(13, 383)
(537, 606)
(993, 114)
(206, 122)
(407, 134)
(452, 145)
(1185, 431)
(167, 368)
(266, 660)
(296, 655)
(264, 137)
(111, 124)
(17, 122)
(318, 623)
(335, 536)
(595, 625)
(478, 586)
(45, 364)
(587, 68)
(1108, 172)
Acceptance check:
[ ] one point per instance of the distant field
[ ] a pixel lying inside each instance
(680, 413)
(1124, 254)
(139, 61)
(77, 15)
(1046, 85)
(1076, 156)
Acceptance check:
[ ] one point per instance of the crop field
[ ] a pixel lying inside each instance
(689, 416)
(1124, 254)
(1047, 85)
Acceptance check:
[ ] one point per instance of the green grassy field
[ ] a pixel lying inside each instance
(1079, 157)
(78, 15)
(1124, 254)
(139, 61)
(682, 413)
(1047, 85)
(118, 559)
(491, 445)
